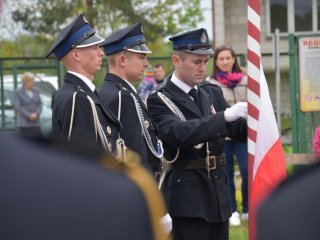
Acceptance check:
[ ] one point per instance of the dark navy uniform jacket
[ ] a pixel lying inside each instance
(48, 194)
(291, 212)
(132, 132)
(191, 193)
(83, 124)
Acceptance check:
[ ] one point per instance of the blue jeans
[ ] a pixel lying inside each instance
(238, 149)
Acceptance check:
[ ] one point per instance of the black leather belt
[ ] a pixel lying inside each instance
(213, 163)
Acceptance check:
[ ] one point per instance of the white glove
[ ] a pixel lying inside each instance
(238, 110)
(166, 222)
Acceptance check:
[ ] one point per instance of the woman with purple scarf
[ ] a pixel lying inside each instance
(228, 75)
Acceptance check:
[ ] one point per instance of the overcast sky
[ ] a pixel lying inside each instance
(207, 14)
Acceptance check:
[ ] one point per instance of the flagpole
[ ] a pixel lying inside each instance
(253, 71)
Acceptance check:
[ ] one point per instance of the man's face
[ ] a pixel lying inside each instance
(159, 73)
(135, 65)
(192, 68)
(91, 58)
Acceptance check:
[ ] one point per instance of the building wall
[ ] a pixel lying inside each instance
(231, 26)
(231, 16)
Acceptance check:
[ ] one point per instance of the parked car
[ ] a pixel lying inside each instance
(46, 85)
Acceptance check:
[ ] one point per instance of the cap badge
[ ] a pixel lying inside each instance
(142, 29)
(84, 19)
(108, 130)
(203, 38)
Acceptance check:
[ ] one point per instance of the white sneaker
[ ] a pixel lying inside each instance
(245, 217)
(234, 220)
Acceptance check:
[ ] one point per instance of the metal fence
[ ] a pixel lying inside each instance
(303, 123)
(51, 68)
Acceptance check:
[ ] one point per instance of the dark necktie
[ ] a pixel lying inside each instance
(194, 94)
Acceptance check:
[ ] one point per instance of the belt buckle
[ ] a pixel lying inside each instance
(214, 166)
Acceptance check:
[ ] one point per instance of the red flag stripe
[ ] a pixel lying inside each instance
(260, 188)
(254, 58)
(255, 5)
(254, 112)
(252, 134)
(254, 86)
(254, 32)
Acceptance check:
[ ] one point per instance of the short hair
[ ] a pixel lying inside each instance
(219, 49)
(27, 77)
(158, 65)
(112, 58)
(180, 54)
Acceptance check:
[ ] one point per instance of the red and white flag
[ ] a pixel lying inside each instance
(266, 163)
(269, 167)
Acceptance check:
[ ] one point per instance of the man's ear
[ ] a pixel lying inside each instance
(121, 59)
(176, 60)
(76, 54)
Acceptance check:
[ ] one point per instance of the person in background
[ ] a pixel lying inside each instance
(147, 86)
(28, 107)
(78, 114)
(160, 74)
(193, 120)
(316, 142)
(148, 83)
(228, 75)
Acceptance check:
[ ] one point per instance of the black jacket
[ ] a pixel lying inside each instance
(47, 194)
(83, 129)
(291, 211)
(191, 193)
(132, 131)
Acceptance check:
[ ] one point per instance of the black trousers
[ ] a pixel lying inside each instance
(199, 229)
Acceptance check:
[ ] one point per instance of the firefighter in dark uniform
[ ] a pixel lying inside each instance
(126, 54)
(47, 194)
(291, 211)
(78, 114)
(193, 120)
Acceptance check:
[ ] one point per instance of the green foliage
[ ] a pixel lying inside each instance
(25, 46)
(159, 17)
(287, 149)
(290, 169)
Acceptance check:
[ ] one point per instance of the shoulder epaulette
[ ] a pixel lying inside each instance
(79, 89)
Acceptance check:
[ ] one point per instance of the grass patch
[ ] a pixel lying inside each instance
(241, 232)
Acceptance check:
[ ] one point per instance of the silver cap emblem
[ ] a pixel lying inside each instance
(203, 38)
(84, 19)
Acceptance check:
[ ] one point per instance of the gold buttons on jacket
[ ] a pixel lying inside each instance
(109, 130)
